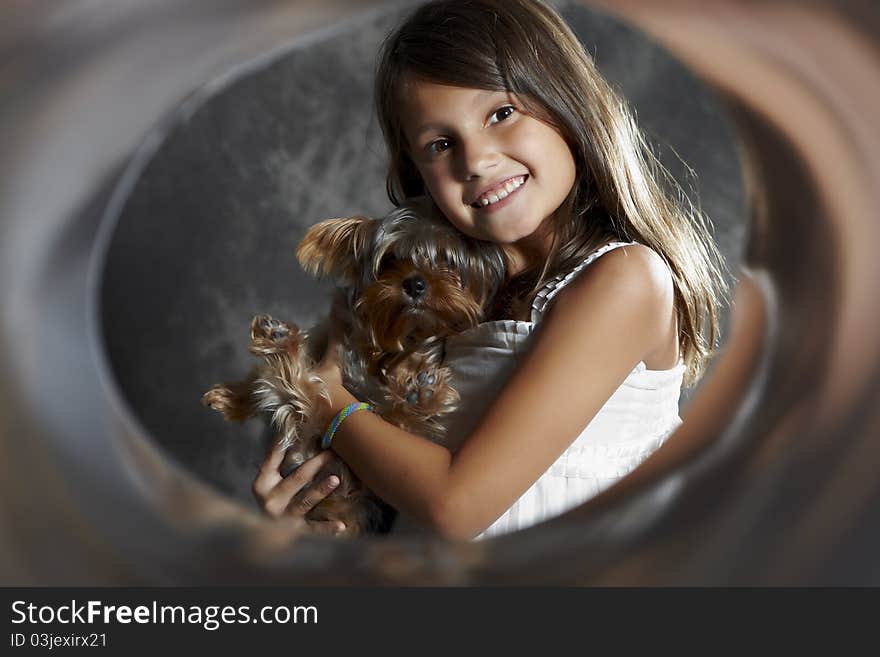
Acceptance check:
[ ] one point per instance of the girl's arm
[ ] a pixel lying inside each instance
(616, 313)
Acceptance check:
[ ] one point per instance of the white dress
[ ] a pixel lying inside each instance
(635, 421)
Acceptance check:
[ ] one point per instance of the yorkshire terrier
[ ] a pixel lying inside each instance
(410, 280)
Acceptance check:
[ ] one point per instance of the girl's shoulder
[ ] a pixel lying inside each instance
(638, 264)
(626, 293)
(627, 270)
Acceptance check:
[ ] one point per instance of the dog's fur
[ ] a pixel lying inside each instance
(410, 280)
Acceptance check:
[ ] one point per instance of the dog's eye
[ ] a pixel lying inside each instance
(387, 262)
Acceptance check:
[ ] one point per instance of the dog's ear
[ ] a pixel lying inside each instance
(334, 247)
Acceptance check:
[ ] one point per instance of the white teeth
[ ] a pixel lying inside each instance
(503, 192)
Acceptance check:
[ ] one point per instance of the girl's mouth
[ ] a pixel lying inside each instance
(500, 196)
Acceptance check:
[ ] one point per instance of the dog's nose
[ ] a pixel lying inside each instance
(415, 286)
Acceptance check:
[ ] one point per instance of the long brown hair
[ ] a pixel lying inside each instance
(622, 191)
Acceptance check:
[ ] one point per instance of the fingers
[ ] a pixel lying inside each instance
(269, 476)
(303, 475)
(302, 504)
(294, 495)
(328, 528)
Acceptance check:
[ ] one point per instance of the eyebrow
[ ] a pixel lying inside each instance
(440, 127)
(428, 127)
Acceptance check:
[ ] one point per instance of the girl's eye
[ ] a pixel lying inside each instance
(438, 146)
(501, 114)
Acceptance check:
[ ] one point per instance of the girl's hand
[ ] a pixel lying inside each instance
(291, 496)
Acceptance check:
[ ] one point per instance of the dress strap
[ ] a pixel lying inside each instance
(551, 289)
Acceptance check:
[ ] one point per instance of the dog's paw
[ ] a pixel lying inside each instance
(269, 328)
(420, 387)
(232, 400)
(270, 335)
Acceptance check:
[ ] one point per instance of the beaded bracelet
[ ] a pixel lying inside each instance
(340, 416)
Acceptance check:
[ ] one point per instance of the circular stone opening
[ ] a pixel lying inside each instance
(206, 236)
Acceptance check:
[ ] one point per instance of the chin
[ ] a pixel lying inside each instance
(511, 235)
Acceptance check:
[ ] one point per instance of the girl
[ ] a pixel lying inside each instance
(494, 109)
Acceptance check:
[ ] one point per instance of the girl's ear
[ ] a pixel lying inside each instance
(333, 248)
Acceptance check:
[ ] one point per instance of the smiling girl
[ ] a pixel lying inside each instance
(494, 110)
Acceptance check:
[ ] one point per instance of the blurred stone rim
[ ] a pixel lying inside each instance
(751, 409)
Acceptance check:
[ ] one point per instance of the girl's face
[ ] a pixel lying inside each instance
(497, 173)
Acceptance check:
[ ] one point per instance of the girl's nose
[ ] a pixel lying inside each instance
(478, 155)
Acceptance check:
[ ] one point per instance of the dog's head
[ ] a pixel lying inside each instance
(413, 276)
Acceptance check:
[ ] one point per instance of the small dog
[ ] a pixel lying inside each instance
(410, 280)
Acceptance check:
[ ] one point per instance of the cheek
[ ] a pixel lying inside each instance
(431, 181)
(436, 183)
(565, 170)
(431, 186)
(570, 168)
(459, 217)
(447, 196)
(547, 146)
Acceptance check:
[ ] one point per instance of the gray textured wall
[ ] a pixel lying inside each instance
(207, 236)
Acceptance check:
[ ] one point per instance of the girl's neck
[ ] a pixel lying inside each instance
(526, 260)
(518, 261)
(530, 252)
